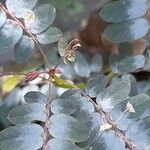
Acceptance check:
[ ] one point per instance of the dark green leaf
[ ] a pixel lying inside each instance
(68, 128)
(96, 85)
(44, 16)
(49, 36)
(19, 7)
(24, 49)
(3, 17)
(22, 137)
(27, 113)
(10, 34)
(59, 144)
(120, 10)
(127, 31)
(34, 96)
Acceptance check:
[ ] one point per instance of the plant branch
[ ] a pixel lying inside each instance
(46, 125)
(26, 31)
(106, 117)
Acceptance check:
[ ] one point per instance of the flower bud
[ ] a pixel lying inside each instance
(32, 75)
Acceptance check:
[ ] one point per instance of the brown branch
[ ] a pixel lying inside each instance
(26, 31)
(46, 125)
(119, 133)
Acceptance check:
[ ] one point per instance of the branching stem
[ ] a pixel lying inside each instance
(106, 116)
(46, 125)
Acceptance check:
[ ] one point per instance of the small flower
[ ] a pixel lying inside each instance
(130, 107)
(32, 75)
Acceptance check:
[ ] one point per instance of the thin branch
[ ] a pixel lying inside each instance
(46, 125)
(26, 31)
(106, 116)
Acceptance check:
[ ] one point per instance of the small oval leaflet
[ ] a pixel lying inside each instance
(96, 63)
(127, 31)
(27, 113)
(25, 137)
(68, 128)
(24, 49)
(123, 10)
(62, 46)
(19, 7)
(10, 34)
(51, 35)
(62, 106)
(108, 141)
(59, 144)
(126, 65)
(139, 133)
(44, 15)
(3, 17)
(113, 95)
(81, 66)
(96, 85)
(34, 96)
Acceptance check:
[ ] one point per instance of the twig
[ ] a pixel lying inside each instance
(106, 116)
(46, 125)
(26, 31)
